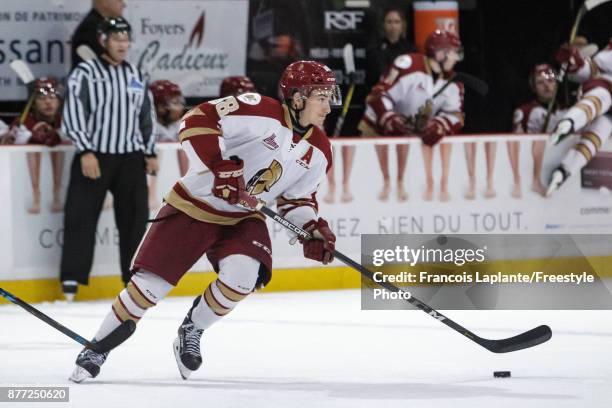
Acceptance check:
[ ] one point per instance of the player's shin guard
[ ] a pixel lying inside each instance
(143, 291)
(592, 138)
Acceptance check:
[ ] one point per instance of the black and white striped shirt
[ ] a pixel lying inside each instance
(108, 109)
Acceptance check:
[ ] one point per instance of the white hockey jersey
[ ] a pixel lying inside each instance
(530, 117)
(168, 133)
(279, 164)
(408, 88)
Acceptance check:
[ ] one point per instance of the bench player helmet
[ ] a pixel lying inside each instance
(47, 86)
(236, 85)
(114, 25)
(308, 76)
(441, 41)
(163, 91)
(541, 70)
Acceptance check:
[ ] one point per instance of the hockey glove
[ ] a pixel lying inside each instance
(570, 55)
(434, 131)
(563, 128)
(395, 125)
(21, 134)
(321, 246)
(43, 133)
(229, 179)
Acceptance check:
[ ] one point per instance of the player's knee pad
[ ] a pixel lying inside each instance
(238, 275)
(142, 292)
(239, 272)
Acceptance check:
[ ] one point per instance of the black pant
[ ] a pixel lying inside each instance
(125, 176)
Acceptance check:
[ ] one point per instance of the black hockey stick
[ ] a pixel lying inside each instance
(470, 81)
(115, 338)
(524, 340)
(474, 83)
(349, 68)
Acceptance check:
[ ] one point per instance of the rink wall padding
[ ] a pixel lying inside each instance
(285, 280)
(192, 284)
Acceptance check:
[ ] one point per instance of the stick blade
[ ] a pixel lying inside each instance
(22, 70)
(474, 83)
(349, 59)
(531, 338)
(115, 338)
(591, 4)
(85, 53)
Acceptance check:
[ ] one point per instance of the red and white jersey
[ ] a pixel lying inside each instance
(530, 117)
(279, 164)
(599, 65)
(408, 89)
(168, 133)
(595, 75)
(24, 131)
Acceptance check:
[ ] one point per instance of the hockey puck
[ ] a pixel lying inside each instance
(501, 374)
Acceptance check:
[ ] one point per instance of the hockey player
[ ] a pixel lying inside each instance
(403, 102)
(4, 135)
(41, 126)
(170, 107)
(273, 150)
(530, 118)
(591, 115)
(236, 85)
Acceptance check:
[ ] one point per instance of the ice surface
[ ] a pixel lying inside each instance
(318, 349)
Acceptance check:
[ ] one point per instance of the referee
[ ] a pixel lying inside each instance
(109, 116)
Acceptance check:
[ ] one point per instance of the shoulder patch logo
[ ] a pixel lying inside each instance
(250, 98)
(403, 61)
(135, 84)
(264, 179)
(270, 142)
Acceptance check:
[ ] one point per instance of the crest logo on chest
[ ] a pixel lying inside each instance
(264, 179)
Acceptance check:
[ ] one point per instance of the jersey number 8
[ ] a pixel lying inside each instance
(225, 105)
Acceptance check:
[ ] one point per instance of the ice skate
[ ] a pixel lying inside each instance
(88, 365)
(69, 289)
(187, 345)
(556, 180)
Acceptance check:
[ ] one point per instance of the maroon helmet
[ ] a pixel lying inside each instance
(47, 86)
(442, 40)
(236, 85)
(306, 76)
(541, 70)
(163, 91)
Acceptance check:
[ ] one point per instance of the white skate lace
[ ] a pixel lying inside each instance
(97, 359)
(192, 339)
